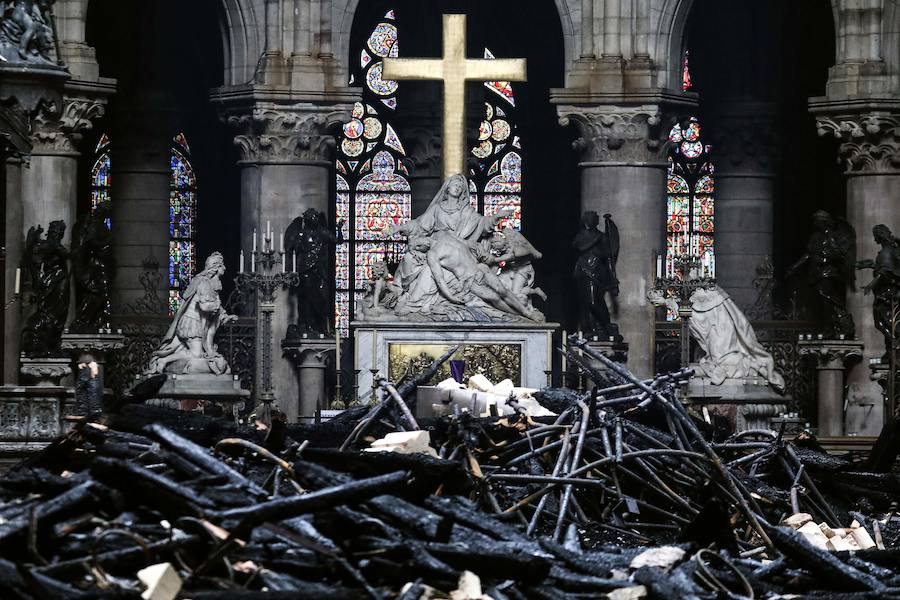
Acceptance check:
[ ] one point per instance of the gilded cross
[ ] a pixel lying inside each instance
(454, 69)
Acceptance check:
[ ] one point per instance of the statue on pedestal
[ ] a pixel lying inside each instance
(729, 344)
(829, 264)
(188, 345)
(595, 274)
(450, 269)
(26, 26)
(308, 239)
(885, 285)
(46, 264)
(92, 265)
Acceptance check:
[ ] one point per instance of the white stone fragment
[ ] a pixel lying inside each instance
(828, 531)
(863, 538)
(162, 581)
(635, 592)
(797, 520)
(450, 384)
(504, 388)
(480, 382)
(662, 557)
(468, 588)
(404, 442)
(814, 535)
(838, 544)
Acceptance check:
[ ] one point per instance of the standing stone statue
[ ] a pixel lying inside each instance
(885, 284)
(92, 265)
(309, 239)
(188, 346)
(595, 274)
(829, 264)
(26, 30)
(46, 264)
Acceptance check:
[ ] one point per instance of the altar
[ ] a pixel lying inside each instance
(521, 351)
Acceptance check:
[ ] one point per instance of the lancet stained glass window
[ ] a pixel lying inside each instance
(690, 210)
(101, 178)
(182, 221)
(496, 177)
(372, 189)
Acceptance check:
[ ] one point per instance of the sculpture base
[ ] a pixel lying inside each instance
(745, 403)
(196, 390)
(45, 371)
(517, 351)
(31, 417)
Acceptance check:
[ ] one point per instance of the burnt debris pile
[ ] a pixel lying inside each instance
(624, 494)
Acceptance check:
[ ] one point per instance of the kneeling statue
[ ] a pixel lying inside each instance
(188, 345)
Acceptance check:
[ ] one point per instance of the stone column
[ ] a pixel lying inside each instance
(743, 154)
(140, 207)
(310, 359)
(50, 179)
(286, 167)
(622, 174)
(870, 151)
(831, 357)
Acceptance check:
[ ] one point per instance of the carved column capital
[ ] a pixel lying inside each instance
(745, 141)
(831, 354)
(614, 134)
(870, 142)
(58, 130)
(283, 134)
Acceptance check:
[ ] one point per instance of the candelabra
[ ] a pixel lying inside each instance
(683, 280)
(266, 281)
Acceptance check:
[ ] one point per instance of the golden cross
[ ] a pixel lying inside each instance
(454, 69)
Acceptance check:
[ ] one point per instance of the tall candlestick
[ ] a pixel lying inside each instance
(254, 239)
(241, 270)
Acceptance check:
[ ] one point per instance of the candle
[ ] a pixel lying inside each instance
(254, 239)
(18, 280)
(337, 354)
(268, 230)
(659, 265)
(253, 262)
(374, 349)
(355, 352)
(282, 242)
(565, 342)
(283, 262)
(241, 270)
(295, 261)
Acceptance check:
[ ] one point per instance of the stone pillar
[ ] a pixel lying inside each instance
(140, 208)
(12, 315)
(622, 174)
(831, 357)
(50, 180)
(286, 167)
(870, 151)
(310, 359)
(742, 152)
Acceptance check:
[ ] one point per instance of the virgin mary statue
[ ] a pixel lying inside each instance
(451, 210)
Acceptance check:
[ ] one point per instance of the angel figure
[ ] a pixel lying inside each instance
(595, 274)
(885, 284)
(92, 266)
(829, 264)
(514, 255)
(309, 240)
(46, 262)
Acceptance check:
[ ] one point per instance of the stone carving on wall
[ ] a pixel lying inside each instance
(885, 285)
(595, 274)
(283, 134)
(728, 341)
(309, 239)
(58, 129)
(26, 31)
(188, 346)
(828, 266)
(627, 135)
(868, 142)
(46, 265)
(450, 269)
(92, 266)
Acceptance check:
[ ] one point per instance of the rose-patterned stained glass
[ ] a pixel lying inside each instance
(496, 179)
(372, 189)
(690, 222)
(182, 220)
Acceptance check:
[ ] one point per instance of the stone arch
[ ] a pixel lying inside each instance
(241, 42)
(345, 11)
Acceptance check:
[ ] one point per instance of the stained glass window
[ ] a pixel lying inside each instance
(496, 176)
(686, 84)
(182, 221)
(690, 187)
(101, 178)
(372, 189)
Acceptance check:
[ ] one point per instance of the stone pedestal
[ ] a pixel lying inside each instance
(92, 347)
(746, 403)
(190, 390)
(45, 372)
(377, 342)
(310, 358)
(831, 357)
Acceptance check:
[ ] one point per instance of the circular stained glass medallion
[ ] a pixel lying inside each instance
(484, 130)
(352, 147)
(501, 130)
(372, 128)
(691, 149)
(357, 110)
(383, 37)
(353, 129)
(693, 132)
(483, 150)
(377, 84)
